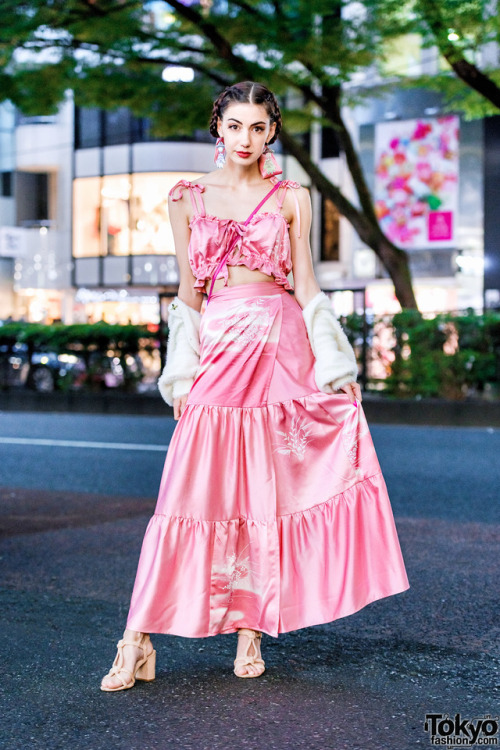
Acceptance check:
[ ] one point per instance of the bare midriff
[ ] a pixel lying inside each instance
(239, 275)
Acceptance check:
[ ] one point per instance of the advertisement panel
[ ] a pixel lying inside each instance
(416, 181)
(14, 242)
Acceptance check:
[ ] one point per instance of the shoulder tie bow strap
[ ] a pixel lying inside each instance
(335, 364)
(183, 351)
(280, 198)
(195, 191)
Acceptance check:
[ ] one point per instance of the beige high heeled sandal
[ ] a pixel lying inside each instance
(144, 668)
(246, 659)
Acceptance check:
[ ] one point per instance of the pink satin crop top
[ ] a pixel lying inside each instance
(263, 244)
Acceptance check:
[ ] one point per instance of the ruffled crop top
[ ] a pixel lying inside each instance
(263, 244)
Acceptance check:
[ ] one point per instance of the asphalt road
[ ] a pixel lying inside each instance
(75, 495)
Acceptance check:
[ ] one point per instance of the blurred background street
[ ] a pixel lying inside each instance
(391, 121)
(76, 494)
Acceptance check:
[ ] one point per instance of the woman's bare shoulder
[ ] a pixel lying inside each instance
(210, 178)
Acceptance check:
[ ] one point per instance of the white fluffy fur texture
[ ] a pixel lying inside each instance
(335, 364)
(183, 351)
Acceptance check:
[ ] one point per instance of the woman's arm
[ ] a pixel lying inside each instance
(304, 281)
(178, 212)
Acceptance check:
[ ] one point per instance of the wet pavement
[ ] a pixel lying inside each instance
(365, 682)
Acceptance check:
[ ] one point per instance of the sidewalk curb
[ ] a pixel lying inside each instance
(379, 410)
(101, 402)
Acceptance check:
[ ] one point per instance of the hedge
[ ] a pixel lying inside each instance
(92, 342)
(450, 355)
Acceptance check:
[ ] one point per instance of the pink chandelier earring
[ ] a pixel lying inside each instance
(220, 153)
(268, 165)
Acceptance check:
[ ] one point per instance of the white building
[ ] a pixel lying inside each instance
(35, 216)
(84, 230)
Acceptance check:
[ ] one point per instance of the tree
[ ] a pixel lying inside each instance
(460, 30)
(112, 52)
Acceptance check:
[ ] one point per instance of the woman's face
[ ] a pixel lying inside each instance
(246, 128)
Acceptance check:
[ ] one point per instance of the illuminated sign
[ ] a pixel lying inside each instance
(416, 181)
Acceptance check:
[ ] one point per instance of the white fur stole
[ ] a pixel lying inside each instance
(183, 351)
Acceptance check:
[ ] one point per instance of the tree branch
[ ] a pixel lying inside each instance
(463, 69)
(322, 183)
(210, 31)
(329, 103)
(473, 77)
(394, 259)
(332, 109)
(218, 62)
(207, 71)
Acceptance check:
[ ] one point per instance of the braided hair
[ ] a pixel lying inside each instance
(251, 92)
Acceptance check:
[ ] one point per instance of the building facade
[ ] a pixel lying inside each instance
(35, 215)
(85, 233)
(426, 170)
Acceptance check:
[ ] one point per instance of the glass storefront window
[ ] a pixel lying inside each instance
(86, 207)
(330, 223)
(151, 231)
(115, 215)
(124, 214)
(117, 126)
(88, 127)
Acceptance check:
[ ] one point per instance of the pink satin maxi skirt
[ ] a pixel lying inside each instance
(272, 512)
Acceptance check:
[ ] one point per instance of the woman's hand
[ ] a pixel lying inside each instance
(179, 405)
(353, 391)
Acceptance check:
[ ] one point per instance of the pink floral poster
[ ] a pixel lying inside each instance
(416, 181)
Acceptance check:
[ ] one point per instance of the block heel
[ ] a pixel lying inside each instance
(146, 673)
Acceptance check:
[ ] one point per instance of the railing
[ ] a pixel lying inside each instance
(358, 306)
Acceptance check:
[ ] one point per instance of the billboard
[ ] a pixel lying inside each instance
(416, 181)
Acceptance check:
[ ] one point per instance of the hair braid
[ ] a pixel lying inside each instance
(217, 113)
(275, 114)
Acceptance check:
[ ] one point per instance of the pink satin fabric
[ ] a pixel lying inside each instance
(263, 244)
(272, 512)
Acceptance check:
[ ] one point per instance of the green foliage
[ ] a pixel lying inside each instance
(457, 97)
(451, 356)
(61, 338)
(40, 90)
(112, 54)
(473, 21)
(354, 327)
(457, 31)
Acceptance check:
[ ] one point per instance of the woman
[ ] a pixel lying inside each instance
(272, 512)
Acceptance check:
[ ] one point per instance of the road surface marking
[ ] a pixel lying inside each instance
(82, 444)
